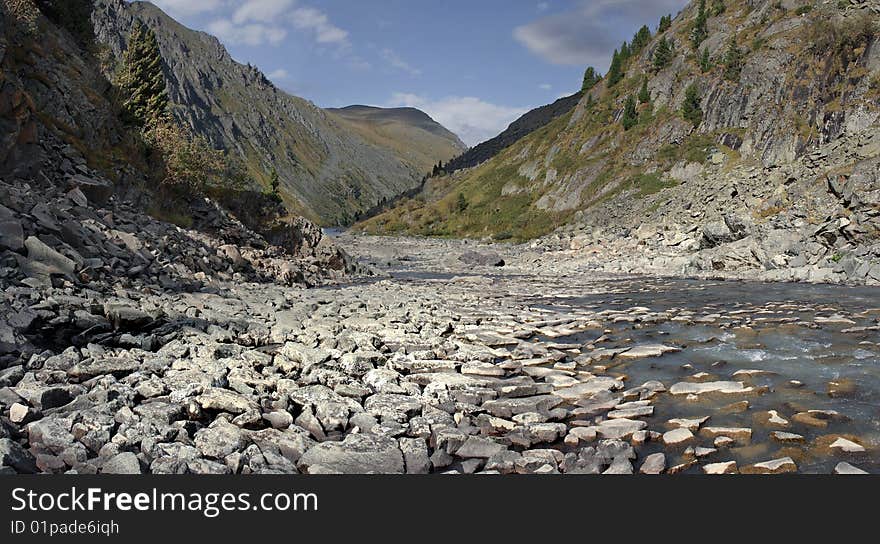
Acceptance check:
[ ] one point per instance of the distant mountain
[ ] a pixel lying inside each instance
(522, 127)
(327, 172)
(416, 138)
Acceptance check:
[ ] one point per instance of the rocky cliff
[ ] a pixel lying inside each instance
(787, 101)
(327, 172)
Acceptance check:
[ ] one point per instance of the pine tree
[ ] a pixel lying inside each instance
(665, 24)
(644, 93)
(625, 52)
(691, 108)
(705, 61)
(591, 77)
(662, 55)
(142, 83)
(630, 114)
(700, 32)
(641, 39)
(615, 72)
(274, 182)
(733, 59)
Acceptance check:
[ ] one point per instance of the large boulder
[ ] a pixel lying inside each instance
(357, 454)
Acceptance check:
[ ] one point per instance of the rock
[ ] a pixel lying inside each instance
(737, 433)
(727, 467)
(787, 438)
(219, 440)
(122, 463)
(847, 446)
(53, 263)
(97, 191)
(647, 350)
(619, 428)
(124, 316)
(224, 400)
(846, 468)
(653, 464)
(776, 466)
(356, 454)
(109, 366)
(677, 436)
(478, 447)
(688, 388)
(14, 456)
(21, 414)
(689, 424)
(481, 259)
(11, 235)
(415, 455)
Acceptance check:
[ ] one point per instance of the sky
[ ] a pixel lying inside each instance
(472, 65)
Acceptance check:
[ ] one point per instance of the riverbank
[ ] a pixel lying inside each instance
(444, 362)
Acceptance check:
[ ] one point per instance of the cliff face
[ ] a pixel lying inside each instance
(784, 81)
(326, 172)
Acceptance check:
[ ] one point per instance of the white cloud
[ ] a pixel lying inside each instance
(397, 62)
(184, 8)
(472, 119)
(311, 19)
(588, 34)
(253, 34)
(278, 75)
(261, 11)
(260, 22)
(545, 86)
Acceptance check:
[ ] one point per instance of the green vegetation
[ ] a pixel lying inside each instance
(691, 109)
(662, 54)
(591, 78)
(665, 23)
(695, 149)
(718, 7)
(461, 204)
(615, 72)
(644, 93)
(803, 10)
(705, 61)
(700, 32)
(141, 81)
(630, 114)
(274, 184)
(733, 61)
(640, 40)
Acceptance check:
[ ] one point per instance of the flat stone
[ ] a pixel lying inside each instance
(677, 436)
(647, 350)
(224, 400)
(776, 466)
(589, 388)
(847, 446)
(654, 464)
(356, 454)
(619, 428)
(479, 447)
(787, 438)
(629, 413)
(110, 366)
(727, 467)
(692, 425)
(737, 433)
(727, 388)
(846, 468)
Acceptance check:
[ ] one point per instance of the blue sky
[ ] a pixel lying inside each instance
(473, 65)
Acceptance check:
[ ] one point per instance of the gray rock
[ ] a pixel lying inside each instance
(356, 454)
(122, 463)
(479, 447)
(415, 455)
(14, 456)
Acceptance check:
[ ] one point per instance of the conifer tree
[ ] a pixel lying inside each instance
(644, 93)
(142, 82)
(641, 39)
(591, 77)
(630, 114)
(662, 55)
(705, 61)
(665, 24)
(274, 182)
(691, 108)
(733, 59)
(700, 32)
(615, 72)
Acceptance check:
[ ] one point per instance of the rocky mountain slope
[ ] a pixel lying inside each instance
(417, 139)
(327, 172)
(522, 127)
(787, 96)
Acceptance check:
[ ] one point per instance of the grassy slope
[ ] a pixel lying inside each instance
(594, 156)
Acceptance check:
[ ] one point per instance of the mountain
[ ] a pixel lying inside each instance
(417, 139)
(763, 135)
(327, 172)
(519, 129)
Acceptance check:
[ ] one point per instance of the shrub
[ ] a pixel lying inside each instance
(187, 164)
